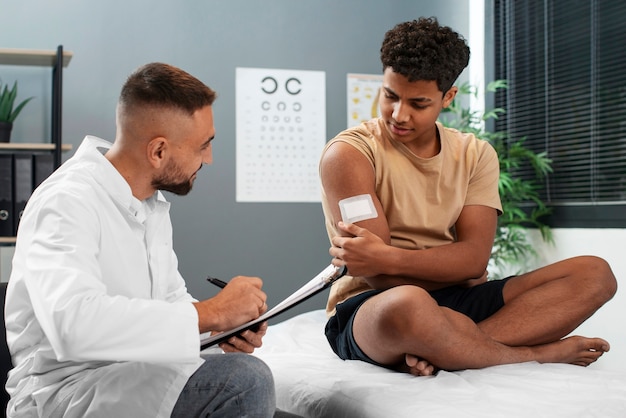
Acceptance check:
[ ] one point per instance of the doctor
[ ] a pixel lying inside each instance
(99, 321)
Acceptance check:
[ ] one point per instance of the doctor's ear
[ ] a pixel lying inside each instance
(156, 151)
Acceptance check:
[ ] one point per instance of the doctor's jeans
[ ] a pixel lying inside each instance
(228, 385)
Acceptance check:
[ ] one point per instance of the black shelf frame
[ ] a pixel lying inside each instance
(57, 106)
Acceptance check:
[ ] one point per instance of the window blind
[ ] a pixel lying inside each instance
(565, 61)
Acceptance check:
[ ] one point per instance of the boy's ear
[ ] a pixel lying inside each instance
(157, 151)
(449, 96)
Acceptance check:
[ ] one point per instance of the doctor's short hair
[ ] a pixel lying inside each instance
(423, 50)
(163, 85)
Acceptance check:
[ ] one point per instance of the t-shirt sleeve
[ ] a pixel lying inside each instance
(483, 183)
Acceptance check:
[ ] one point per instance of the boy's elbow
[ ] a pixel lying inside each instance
(477, 267)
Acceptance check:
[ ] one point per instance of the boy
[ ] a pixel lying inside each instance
(417, 297)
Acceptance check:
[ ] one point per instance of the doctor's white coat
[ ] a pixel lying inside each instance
(97, 314)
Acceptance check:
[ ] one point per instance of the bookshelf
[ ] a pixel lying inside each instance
(57, 60)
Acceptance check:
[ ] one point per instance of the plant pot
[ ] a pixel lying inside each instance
(5, 131)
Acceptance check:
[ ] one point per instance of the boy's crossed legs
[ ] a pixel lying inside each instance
(404, 328)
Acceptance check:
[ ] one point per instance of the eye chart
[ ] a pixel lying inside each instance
(281, 131)
(363, 92)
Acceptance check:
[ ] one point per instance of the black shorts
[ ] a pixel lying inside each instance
(478, 303)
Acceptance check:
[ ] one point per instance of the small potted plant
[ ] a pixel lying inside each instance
(8, 112)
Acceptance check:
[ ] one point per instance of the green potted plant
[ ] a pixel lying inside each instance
(521, 201)
(8, 112)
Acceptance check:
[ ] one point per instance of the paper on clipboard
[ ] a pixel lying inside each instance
(324, 279)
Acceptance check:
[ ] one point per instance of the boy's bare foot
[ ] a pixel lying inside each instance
(581, 351)
(417, 367)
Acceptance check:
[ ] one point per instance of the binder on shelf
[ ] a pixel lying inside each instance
(43, 166)
(6, 195)
(22, 185)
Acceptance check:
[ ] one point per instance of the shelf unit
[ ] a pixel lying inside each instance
(47, 58)
(32, 147)
(57, 59)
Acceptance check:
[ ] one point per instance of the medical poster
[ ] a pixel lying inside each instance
(281, 131)
(363, 92)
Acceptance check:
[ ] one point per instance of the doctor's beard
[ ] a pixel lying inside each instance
(170, 181)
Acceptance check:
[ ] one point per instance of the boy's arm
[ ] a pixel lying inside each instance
(365, 246)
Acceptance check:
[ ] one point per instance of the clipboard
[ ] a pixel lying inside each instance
(318, 283)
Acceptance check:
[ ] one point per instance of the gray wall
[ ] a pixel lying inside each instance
(284, 243)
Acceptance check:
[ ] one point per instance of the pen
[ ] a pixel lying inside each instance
(217, 282)
(222, 284)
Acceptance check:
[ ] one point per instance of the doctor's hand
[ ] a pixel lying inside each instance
(362, 252)
(246, 342)
(242, 300)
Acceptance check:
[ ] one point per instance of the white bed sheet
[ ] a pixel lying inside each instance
(311, 381)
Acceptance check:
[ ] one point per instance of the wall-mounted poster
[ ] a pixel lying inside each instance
(281, 131)
(363, 92)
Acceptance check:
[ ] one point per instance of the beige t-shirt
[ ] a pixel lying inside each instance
(422, 197)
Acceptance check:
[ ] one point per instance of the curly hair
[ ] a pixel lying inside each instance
(424, 50)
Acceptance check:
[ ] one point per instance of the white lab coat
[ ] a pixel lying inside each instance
(96, 309)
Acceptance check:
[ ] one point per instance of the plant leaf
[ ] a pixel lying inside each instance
(7, 100)
(521, 202)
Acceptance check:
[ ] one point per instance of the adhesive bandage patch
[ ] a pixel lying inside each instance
(357, 208)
